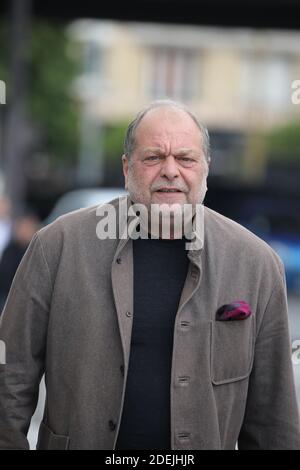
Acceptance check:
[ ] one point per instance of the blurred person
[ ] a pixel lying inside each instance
(5, 223)
(23, 230)
(145, 344)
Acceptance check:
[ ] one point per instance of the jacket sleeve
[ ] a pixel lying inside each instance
(271, 419)
(23, 330)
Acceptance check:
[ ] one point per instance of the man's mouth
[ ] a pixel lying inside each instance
(165, 190)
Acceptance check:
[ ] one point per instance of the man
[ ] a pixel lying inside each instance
(24, 228)
(145, 344)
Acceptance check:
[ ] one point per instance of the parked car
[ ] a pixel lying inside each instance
(80, 198)
(282, 232)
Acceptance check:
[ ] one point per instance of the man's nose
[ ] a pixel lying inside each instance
(169, 168)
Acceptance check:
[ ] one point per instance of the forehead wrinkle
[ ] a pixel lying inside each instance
(174, 139)
(179, 151)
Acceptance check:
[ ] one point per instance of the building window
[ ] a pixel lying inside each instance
(266, 81)
(172, 73)
(93, 59)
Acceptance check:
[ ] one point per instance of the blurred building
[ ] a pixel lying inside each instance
(236, 80)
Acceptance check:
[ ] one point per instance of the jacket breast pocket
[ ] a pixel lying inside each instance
(48, 440)
(232, 350)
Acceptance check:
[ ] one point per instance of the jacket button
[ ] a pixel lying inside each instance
(112, 425)
(128, 314)
(185, 324)
(122, 370)
(184, 380)
(118, 260)
(184, 436)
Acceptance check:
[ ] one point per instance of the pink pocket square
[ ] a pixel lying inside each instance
(236, 310)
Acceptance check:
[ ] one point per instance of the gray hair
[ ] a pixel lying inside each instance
(129, 143)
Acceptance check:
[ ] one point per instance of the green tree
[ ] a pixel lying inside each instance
(114, 141)
(50, 106)
(283, 143)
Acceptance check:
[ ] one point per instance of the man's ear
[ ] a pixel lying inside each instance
(207, 164)
(125, 164)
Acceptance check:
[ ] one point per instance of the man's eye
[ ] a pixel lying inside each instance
(186, 160)
(152, 158)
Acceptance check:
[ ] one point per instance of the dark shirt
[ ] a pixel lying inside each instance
(160, 268)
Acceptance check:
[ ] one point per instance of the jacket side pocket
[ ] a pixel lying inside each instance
(48, 440)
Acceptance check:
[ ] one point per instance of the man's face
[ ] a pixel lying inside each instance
(168, 163)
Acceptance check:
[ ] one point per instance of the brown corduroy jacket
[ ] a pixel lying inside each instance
(70, 313)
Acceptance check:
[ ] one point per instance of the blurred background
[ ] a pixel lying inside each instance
(72, 79)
